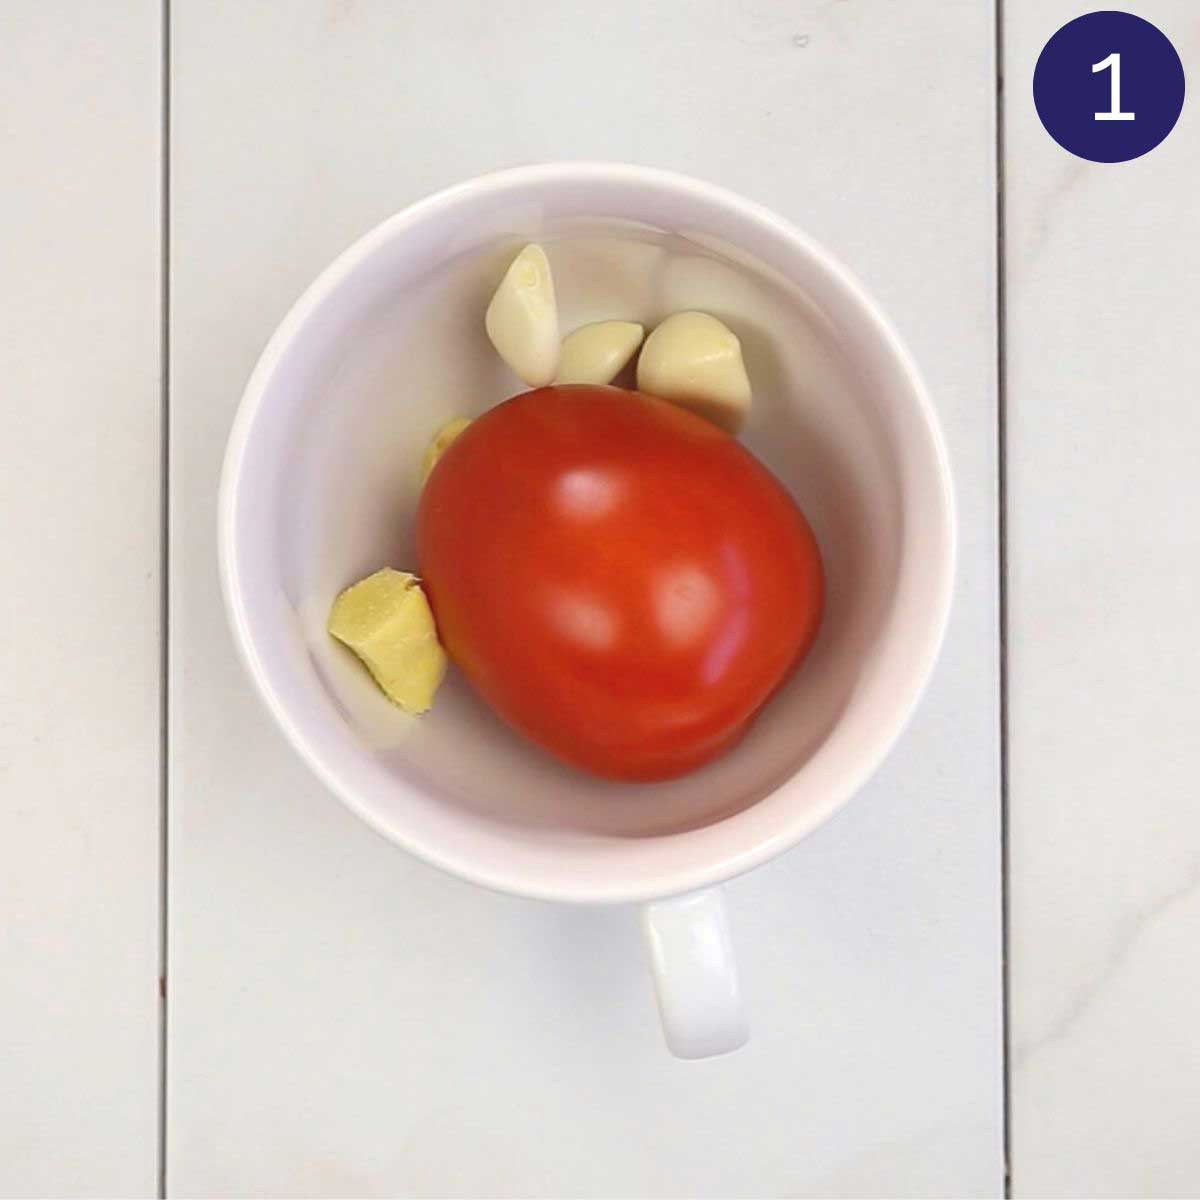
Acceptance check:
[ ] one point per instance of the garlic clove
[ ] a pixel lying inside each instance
(522, 318)
(440, 443)
(597, 353)
(695, 361)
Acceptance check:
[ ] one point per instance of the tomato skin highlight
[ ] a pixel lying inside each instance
(622, 581)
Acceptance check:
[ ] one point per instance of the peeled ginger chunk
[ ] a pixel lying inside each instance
(597, 353)
(522, 319)
(440, 443)
(695, 361)
(386, 620)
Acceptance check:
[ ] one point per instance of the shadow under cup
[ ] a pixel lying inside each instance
(322, 481)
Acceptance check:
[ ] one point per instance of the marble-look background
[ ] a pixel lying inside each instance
(343, 1020)
(1103, 402)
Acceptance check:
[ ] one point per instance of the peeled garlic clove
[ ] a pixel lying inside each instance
(386, 620)
(440, 443)
(597, 353)
(522, 319)
(695, 361)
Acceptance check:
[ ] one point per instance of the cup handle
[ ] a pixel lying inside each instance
(695, 974)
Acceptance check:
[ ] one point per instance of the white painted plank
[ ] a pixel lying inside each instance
(345, 1020)
(80, 443)
(1104, 560)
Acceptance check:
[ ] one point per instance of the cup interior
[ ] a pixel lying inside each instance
(322, 481)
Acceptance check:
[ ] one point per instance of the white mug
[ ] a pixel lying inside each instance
(321, 479)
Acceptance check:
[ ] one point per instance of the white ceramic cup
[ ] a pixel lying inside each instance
(321, 479)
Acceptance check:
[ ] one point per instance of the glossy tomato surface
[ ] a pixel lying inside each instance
(623, 582)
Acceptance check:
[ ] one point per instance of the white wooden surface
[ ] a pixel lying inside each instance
(80, 109)
(344, 1020)
(1103, 440)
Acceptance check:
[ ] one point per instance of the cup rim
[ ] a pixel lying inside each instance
(801, 820)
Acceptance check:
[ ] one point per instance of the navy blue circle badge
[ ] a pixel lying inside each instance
(1108, 86)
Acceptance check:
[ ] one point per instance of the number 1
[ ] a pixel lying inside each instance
(1114, 113)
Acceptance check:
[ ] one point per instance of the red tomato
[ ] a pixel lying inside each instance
(619, 579)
